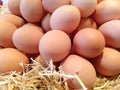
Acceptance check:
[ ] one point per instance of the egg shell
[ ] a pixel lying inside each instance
(111, 32)
(107, 10)
(6, 31)
(26, 38)
(108, 63)
(65, 18)
(32, 11)
(75, 64)
(86, 7)
(46, 22)
(55, 45)
(51, 5)
(16, 20)
(14, 6)
(10, 60)
(89, 42)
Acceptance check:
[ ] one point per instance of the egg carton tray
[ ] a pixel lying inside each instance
(51, 79)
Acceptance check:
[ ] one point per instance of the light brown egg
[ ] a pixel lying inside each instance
(55, 45)
(51, 5)
(89, 42)
(31, 10)
(14, 6)
(46, 22)
(86, 7)
(85, 23)
(111, 32)
(6, 31)
(41, 61)
(16, 20)
(107, 10)
(65, 18)
(10, 60)
(108, 63)
(75, 64)
(27, 38)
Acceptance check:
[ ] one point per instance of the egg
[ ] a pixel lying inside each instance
(32, 11)
(108, 63)
(26, 38)
(41, 61)
(10, 60)
(112, 35)
(85, 23)
(51, 5)
(55, 45)
(86, 7)
(6, 31)
(16, 20)
(65, 18)
(46, 22)
(107, 10)
(89, 42)
(75, 64)
(14, 6)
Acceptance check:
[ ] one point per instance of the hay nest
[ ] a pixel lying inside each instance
(36, 77)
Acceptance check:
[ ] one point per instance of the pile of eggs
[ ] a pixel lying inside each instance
(81, 35)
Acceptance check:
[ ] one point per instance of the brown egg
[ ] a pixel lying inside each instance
(41, 61)
(108, 63)
(107, 10)
(46, 22)
(51, 5)
(86, 23)
(31, 11)
(54, 45)
(86, 7)
(6, 31)
(89, 42)
(16, 20)
(65, 18)
(75, 64)
(27, 38)
(14, 6)
(111, 32)
(10, 60)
